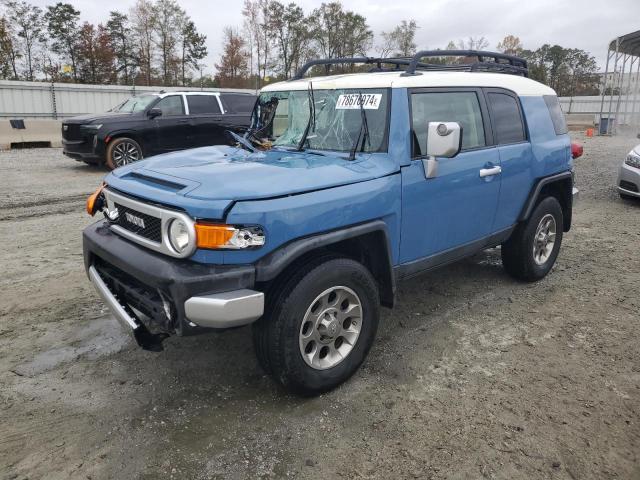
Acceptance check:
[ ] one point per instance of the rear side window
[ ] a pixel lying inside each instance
(171, 105)
(202, 104)
(461, 107)
(557, 117)
(238, 103)
(507, 121)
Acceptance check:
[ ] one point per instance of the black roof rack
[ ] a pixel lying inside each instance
(500, 62)
(396, 62)
(486, 62)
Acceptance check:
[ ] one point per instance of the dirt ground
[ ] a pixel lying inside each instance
(473, 375)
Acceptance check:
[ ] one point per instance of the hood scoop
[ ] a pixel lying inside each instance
(161, 182)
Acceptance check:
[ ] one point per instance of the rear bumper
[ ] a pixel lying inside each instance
(174, 295)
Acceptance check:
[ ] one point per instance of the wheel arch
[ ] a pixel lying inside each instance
(125, 134)
(559, 186)
(367, 243)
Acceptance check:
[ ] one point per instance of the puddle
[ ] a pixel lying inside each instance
(102, 336)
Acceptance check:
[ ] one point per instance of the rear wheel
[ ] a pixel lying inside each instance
(319, 326)
(122, 151)
(532, 249)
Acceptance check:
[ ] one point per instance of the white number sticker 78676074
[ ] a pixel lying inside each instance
(351, 101)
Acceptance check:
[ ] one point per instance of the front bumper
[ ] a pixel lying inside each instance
(150, 292)
(629, 180)
(85, 149)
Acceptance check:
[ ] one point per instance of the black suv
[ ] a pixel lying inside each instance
(149, 124)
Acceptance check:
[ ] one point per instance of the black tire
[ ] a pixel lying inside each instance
(517, 252)
(115, 158)
(276, 334)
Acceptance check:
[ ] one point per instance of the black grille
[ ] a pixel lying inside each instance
(146, 226)
(71, 131)
(632, 187)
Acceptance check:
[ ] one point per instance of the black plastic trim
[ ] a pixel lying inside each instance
(271, 265)
(535, 192)
(181, 278)
(416, 267)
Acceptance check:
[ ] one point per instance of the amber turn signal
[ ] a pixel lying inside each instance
(94, 201)
(210, 235)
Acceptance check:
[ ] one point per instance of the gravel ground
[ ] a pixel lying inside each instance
(473, 375)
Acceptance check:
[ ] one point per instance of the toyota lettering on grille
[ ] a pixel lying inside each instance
(137, 221)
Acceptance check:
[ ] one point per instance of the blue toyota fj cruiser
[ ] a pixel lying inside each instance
(344, 185)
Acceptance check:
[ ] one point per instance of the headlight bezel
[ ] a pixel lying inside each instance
(175, 242)
(632, 159)
(215, 236)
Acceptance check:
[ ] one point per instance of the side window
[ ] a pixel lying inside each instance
(171, 105)
(461, 107)
(557, 117)
(238, 103)
(201, 104)
(507, 122)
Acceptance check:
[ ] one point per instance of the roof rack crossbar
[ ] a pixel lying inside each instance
(397, 62)
(514, 65)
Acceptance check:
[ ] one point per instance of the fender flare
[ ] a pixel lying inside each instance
(274, 263)
(530, 204)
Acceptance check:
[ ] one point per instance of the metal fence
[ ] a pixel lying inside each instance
(60, 100)
(625, 110)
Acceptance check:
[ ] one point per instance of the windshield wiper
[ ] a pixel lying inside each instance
(312, 118)
(241, 140)
(363, 133)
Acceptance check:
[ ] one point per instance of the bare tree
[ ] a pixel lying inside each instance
(289, 26)
(29, 27)
(143, 21)
(400, 41)
(510, 45)
(473, 43)
(233, 67)
(169, 22)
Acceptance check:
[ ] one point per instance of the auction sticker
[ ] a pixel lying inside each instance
(351, 101)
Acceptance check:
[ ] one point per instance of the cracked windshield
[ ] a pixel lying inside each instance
(337, 120)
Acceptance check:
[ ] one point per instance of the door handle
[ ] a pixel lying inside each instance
(487, 172)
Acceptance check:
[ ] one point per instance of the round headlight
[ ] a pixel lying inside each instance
(179, 235)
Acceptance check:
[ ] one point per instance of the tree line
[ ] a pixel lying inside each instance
(154, 43)
(157, 43)
(276, 39)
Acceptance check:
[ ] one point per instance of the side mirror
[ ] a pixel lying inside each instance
(154, 112)
(444, 139)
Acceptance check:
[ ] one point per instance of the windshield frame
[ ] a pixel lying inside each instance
(384, 144)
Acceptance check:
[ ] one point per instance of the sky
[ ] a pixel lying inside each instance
(584, 24)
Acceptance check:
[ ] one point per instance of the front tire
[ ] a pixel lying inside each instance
(122, 151)
(533, 247)
(319, 326)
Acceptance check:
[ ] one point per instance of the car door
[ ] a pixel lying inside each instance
(454, 210)
(207, 119)
(516, 155)
(172, 128)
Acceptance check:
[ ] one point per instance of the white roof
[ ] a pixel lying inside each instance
(522, 86)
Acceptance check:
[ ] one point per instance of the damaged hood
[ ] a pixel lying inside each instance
(220, 175)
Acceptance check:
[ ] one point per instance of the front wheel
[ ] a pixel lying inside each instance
(532, 249)
(122, 151)
(319, 326)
